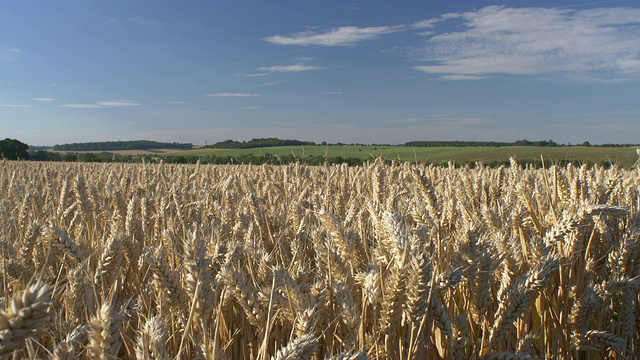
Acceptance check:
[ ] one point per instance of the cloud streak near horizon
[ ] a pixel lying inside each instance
(230, 94)
(102, 104)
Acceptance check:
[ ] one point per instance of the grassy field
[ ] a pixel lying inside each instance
(623, 156)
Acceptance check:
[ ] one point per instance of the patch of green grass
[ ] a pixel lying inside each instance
(622, 156)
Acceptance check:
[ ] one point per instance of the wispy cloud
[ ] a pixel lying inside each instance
(439, 120)
(340, 36)
(608, 126)
(177, 102)
(134, 21)
(253, 75)
(81, 106)
(15, 106)
(595, 44)
(118, 103)
(44, 99)
(462, 77)
(144, 22)
(300, 66)
(251, 108)
(290, 68)
(102, 104)
(229, 94)
(9, 54)
(274, 83)
(333, 92)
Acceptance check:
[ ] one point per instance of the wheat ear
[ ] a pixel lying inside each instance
(301, 348)
(24, 315)
(151, 341)
(103, 334)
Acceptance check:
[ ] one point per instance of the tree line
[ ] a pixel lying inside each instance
(257, 143)
(122, 145)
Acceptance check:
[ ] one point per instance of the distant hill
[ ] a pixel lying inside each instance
(121, 145)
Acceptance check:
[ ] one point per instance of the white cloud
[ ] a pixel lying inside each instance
(81, 106)
(341, 36)
(145, 22)
(45, 99)
(290, 68)
(117, 103)
(9, 54)
(228, 94)
(15, 106)
(461, 77)
(439, 120)
(253, 75)
(599, 44)
(274, 83)
(425, 24)
(134, 21)
(102, 104)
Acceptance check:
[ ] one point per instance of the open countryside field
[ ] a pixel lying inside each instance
(622, 156)
(162, 261)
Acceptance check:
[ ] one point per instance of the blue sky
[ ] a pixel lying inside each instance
(336, 71)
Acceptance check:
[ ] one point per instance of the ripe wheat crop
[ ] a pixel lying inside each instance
(400, 261)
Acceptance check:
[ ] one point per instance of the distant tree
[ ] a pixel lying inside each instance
(586, 143)
(12, 149)
(179, 160)
(43, 155)
(70, 157)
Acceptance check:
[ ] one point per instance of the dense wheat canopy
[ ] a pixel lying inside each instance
(397, 261)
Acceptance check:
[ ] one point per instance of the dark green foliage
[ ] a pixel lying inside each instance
(42, 155)
(256, 143)
(12, 149)
(121, 145)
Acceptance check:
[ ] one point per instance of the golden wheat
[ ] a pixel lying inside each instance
(383, 261)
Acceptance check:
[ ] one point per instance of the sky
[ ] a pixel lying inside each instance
(383, 72)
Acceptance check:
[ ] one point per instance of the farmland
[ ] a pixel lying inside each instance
(158, 261)
(622, 156)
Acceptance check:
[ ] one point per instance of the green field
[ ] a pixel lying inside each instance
(623, 156)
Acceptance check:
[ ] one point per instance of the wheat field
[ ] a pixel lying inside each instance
(400, 261)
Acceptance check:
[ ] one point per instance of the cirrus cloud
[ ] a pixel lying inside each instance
(102, 104)
(117, 103)
(81, 106)
(600, 44)
(290, 68)
(9, 54)
(17, 106)
(229, 94)
(341, 36)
